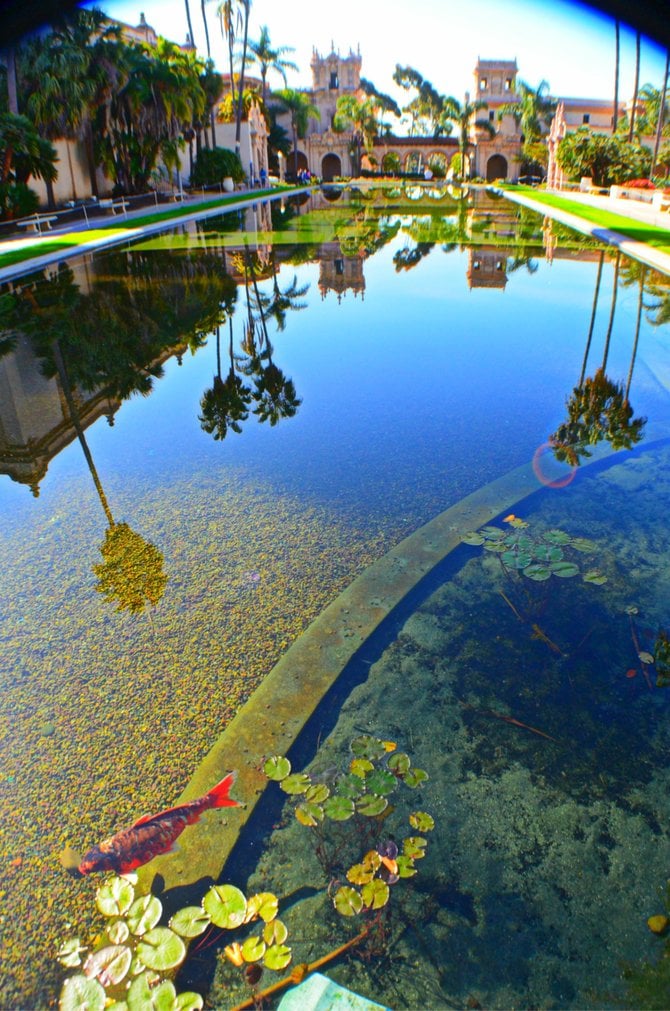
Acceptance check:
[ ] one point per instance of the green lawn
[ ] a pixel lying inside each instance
(654, 236)
(78, 238)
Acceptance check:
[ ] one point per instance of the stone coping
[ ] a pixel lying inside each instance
(286, 699)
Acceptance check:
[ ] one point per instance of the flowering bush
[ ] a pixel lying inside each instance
(640, 184)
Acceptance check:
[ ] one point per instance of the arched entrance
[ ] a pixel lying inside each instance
(331, 166)
(496, 168)
(291, 166)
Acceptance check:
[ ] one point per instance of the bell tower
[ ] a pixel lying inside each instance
(332, 75)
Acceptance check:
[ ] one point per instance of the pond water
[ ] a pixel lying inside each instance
(320, 379)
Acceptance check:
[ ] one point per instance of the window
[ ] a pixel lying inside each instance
(334, 83)
(492, 116)
(508, 84)
(483, 83)
(339, 267)
(586, 118)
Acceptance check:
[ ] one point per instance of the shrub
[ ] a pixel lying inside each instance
(212, 166)
(640, 184)
(606, 159)
(16, 201)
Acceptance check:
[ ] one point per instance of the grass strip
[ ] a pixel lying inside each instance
(639, 231)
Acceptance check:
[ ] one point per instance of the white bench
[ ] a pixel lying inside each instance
(112, 205)
(36, 221)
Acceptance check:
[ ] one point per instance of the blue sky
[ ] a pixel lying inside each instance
(567, 44)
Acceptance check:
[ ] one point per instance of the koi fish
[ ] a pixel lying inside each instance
(153, 834)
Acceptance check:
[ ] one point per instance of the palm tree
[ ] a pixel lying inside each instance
(188, 21)
(230, 20)
(661, 114)
(615, 116)
(266, 58)
(226, 405)
(360, 117)
(301, 110)
(636, 86)
(246, 6)
(461, 116)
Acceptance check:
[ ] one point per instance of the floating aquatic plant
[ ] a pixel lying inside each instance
(359, 795)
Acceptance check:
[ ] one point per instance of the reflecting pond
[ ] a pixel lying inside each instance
(222, 427)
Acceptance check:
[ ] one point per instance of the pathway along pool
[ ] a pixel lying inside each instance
(161, 572)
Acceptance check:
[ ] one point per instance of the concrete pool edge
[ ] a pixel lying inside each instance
(284, 702)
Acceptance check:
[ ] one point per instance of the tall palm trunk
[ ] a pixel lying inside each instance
(593, 317)
(616, 76)
(240, 97)
(615, 292)
(636, 87)
(661, 115)
(209, 56)
(190, 26)
(12, 91)
(637, 333)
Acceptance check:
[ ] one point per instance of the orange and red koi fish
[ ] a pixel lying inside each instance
(153, 834)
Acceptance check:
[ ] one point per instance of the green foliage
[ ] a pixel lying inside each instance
(648, 981)
(598, 410)
(212, 166)
(17, 200)
(607, 160)
(131, 574)
(359, 796)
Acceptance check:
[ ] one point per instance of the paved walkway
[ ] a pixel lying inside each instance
(634, 210)
(106, 233)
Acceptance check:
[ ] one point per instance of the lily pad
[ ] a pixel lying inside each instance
(360, 767)
(646, 657)
(564, 570)
(118, 931)
(298, 782)
(375, 894)
(399, 763)
(309, 814)
(339, 808)
(360, 874)
(349, 786)
(253, 949)
(594, 576)
(275, 932)
(317, 793)
(381, 782)
(191, 921)
(70, 952)
(415, 777)
(109, 965)
(497, 546)
(82, 994)
(161, 949)
(422, 821)
(548, 553)
(371, 805)
(262, 904)
(556, 537)
(226, 906)
(473, 537)
(493, 533)
(406, 868)
(367, 746)
(277, 767)
(583, 544)
(347, 901)
(516, 560)
(537, 572)
(277, 957)
(414, 847)
(115, 897)
(144, 914)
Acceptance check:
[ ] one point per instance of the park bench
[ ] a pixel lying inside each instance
(112, 205)
(36, 222)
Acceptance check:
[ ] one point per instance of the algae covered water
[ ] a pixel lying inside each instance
(288, 396)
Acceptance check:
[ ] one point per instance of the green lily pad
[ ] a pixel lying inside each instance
(583, 544)
(556, 537)
(277, 767)
(253, 949)
(497, 546)
(188, 1001)
(191, 921)
(146, 993)
(594, 576)
(298, 782)
(360, 767)
(537, 572)
(309, 814)
(144, 914)
(275, 932)
(375, 894)
(109, 965)
(360, 874)
(70, 952)
(548, 553)
(371, 805)
(114, 897)
(415, 777)
(339, 808)
(118, 931)
(406, 868)
(422, 821)
(514, 560)
(82, 994)
(349, 786)
(263, 904)
(277, 957)
(564, 570)
(399, 763)
(317, 793)
(161, 949)
(347, 901)
(493, 533)
(367, 746)
(414, 847)
(473, 537)
(381, 782)
(226, 906)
